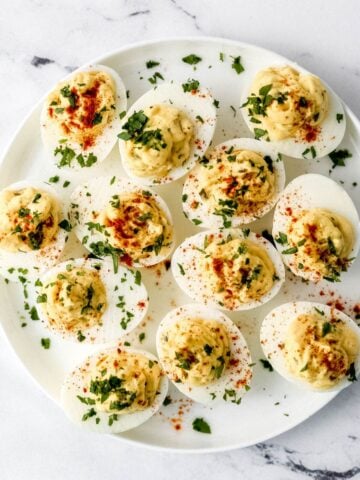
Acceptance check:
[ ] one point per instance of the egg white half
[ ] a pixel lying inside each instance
(186, 267)
(123, 294)
(103, 143)
(197, 105)
(313, 191)
(236, 378)
(274, 330)
(32, 264)
(74, 409)
(94, 196)
(195, 208)
(331, 134)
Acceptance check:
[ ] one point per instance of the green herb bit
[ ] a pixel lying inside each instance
(191, 85)
(338, 157)
(326, 328)
(237, 65)
(192, 59)
(290, 251)
(153, 80)
(54, 179)
(34, 314)
(152, 64)
(181, 268)
(71, 96)
(266, 364)
(65, 225)
(339, 117)
(281, 238)
(45, 343)
(141, 337)
(351, 373)
(137, 277)
(200, 425)
(259, 133)
(167, 400)
(90, 413)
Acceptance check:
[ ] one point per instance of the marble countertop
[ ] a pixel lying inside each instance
(42, 40)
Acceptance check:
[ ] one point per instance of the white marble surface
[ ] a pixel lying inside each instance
(40, 40)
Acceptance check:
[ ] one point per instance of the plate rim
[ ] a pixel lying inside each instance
(133, 46)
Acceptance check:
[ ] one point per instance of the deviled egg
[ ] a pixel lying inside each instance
(33, 229)
(316, 228)
(80, 118)
(114, 390)
(294, 110)
(204, 354)
(236, 183)
(232, 269)
(165, 132)
(313, 345)
(113, 216)
(84, 300)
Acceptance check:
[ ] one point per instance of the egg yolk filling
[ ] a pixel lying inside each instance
(321, 242)
(122, 383)
(158, 139)
(196, 351)
(28, 219)
(284, 103)
(135, 224)
(83, 106)
(320, 350)
(236, 182)
(74, 299)
(237, 271)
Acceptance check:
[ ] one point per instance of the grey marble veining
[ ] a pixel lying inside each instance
(42, 40)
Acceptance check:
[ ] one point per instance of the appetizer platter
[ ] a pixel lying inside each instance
(179, 234)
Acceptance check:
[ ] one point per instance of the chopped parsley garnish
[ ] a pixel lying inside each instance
(266, 364)
(137, 277)
(200, 119)
(181, 268)
(191, 85)
(141, 337)
(104, 249)
(36, 198)
(167, 400)
(134, 129)
(320, 312)
(216, 103)
(351, 373)
(152, 64)
(339, 117)
(67, 155)
(236, 65)
(41, 298)
(200, 425)
(309, 150)
(221, 56)
(290, 251)
(153, 80)
(281, 238)
(259, 132)
(45, 343)
(338, 157)
(65, 225)
(90, 413)
(80, 337)
(97, 118)
(257, 105)
(230, 394)
(34, 314)
(192, 59)
(196, 221)
(208, 349)
(326, 328)
(67, 93)
(54, 179)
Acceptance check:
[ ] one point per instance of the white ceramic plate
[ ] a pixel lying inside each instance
(273, 405)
